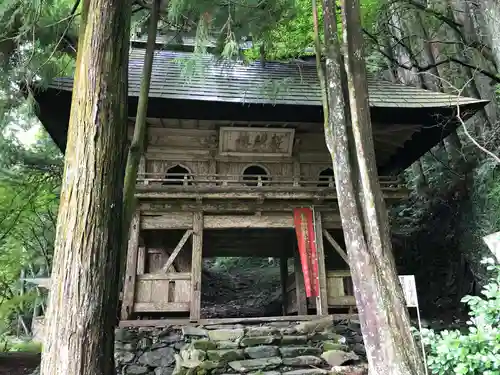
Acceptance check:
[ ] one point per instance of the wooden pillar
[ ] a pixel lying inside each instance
(321, 300)
(131, 267)
(196, 265)
(284, 279)
(296, 173)
(141, 259)
(299, 284)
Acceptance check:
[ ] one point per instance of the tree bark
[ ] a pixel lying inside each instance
(491, 12)
(421, 185)
(137, 146)
(82, 307)
(385, 323)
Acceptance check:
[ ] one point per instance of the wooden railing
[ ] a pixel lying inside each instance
(162, 292)
(174, 180)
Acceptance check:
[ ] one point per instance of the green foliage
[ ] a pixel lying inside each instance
(26, 346)
(476, 351)
(29, 193)
(13, 344)
(294, 36)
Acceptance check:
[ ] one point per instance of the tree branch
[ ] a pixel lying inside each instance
(422, 69)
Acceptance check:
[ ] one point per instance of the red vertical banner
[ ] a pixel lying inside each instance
(306, 239)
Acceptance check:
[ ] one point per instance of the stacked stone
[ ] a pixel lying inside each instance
(276, 348)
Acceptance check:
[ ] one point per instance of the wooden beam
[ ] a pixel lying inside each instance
(321, 300)
(300, 289)
(336, 246)
(161, 307)
(183, 220)
(131, 267)
(196, 265)
(219, 206)
(176, 251)
(165, 276)
(193, 192)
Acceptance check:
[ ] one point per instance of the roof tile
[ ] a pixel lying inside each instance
(178, 75)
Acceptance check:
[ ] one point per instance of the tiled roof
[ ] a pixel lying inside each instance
(178, 75)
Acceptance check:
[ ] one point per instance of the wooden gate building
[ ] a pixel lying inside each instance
(231, 151)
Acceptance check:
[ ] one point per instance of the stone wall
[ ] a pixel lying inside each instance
(274, 348)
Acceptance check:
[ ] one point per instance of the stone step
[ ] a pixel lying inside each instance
(296, 351)
(259, 340)
(262, 351)
(303, 361)
(226, 355)
(249, 365)
(226, 334)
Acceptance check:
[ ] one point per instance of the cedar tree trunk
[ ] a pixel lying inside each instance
(82, 307)
(385, 323)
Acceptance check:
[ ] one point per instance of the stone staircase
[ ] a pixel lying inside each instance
(273, 348)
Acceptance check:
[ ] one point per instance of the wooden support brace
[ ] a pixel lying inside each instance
(321, 300)
(196, 264)
(336, 246)
(176, 251)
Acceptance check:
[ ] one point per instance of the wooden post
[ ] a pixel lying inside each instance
(142, 169)
(296, 173)
(131, 268)
(196, 264)
(299, 284)
(321, 300)
(284, 279)
(141, 260)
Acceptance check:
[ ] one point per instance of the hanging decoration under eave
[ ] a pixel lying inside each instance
(306, 239)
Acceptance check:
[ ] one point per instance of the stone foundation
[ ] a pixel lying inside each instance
(275, 348)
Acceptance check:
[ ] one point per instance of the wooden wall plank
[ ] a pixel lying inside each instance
(196, 265)
(131, 268)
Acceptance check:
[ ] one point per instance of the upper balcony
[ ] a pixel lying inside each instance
(223, 186)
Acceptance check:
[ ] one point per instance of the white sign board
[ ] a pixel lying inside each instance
(409, 290)
(410, 293)
(493, 243)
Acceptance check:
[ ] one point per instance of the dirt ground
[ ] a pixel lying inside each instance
(18, 363)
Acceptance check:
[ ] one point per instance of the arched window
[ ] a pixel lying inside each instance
(253, 173)
(326, 175)
(178, 175)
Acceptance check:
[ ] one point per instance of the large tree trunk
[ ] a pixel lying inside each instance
(83, 299)
(491, 12)
(384, 318)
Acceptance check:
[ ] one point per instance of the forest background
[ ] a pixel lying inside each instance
(443, 45)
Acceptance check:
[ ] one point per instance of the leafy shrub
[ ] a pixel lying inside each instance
(476, 350)
(15, 344)
(27, 346)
